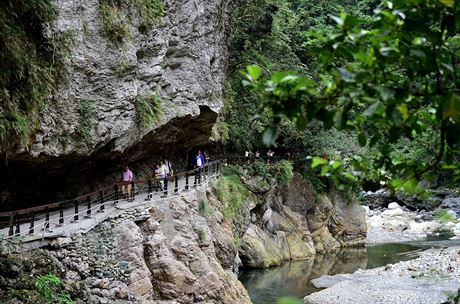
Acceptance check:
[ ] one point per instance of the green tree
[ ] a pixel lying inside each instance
(387, 78)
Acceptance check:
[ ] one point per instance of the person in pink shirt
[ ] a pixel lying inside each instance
(127, 178)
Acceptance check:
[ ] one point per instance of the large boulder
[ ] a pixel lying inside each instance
(299, 194)
(451, 204)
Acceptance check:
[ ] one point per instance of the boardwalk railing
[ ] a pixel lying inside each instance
(34, 220)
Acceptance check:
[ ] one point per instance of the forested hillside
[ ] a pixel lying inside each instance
(366, 98)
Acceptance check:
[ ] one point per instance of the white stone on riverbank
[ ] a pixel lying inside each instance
(401, 225)
(423, 280)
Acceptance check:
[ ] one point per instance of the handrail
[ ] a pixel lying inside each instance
(85, 196)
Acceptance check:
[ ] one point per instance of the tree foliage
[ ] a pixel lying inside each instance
(31, 57)
(277, 34)
(387, 78)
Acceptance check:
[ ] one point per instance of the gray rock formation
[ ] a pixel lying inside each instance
(170, 255)
(451, 204)
(181, 60)
(293, 223)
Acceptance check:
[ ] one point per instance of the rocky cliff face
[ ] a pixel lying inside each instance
(94, 121)
(187, 249)
(167, 253)
(293, 222)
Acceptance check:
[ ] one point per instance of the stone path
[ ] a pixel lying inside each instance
(86, 222)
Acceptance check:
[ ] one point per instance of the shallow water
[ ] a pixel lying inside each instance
(265, 286)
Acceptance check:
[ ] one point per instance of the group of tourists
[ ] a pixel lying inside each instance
(161, 171)
(248, 155)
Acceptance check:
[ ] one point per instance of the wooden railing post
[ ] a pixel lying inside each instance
(116, 195)
(17, 231)
(47, 219)
(61, 214)
(186, 181)
(32, 224)
(11, 231)
(133, 192)
(176, 184)
(88, 210)
(101, 201)
(149, 190)
(165, 187)
(75, 217)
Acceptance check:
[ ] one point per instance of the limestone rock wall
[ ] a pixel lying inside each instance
(293, 222)
(181, 59)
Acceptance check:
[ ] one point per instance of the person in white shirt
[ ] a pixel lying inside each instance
(270, 154)
(169, 170)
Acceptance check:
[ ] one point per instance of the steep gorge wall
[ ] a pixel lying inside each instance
(186, 249)
(91, 125)
(294, 222)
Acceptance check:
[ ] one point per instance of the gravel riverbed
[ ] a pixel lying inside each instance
(427, 279)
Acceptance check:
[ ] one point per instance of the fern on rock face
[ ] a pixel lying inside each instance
(148, 109)
(88, 120)
(115, 15)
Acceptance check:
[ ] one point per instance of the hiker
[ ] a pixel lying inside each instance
(169, 170)
(127, 179)
(163, 175)
(199, 160)
(247, 156)
(199, 164)
(270, 154)
(157, 175)
(257, 155)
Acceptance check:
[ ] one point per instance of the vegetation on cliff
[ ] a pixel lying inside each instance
(116, 17)
(386, 76)
(31, 58)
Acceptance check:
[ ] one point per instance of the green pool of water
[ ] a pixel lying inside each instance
(293, 279)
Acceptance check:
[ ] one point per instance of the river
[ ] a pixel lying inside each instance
(293, 279)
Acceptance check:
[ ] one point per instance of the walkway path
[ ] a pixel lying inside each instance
(82, 214)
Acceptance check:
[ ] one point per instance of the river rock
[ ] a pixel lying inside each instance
(452, 213)
(393, 212)
(393, 205)
(452, 204)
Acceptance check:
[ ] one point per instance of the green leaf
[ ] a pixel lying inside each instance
(346, 75)
(385, 51)
(362, 139)
(289, 78)
(386, 93)
(451, 108)
(318, 161)
(335, 164)
(449, 3)
(254, 71)
(372, 109)
(301, 122)
(338, 20)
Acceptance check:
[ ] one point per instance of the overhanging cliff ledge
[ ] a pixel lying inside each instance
(157, 90)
